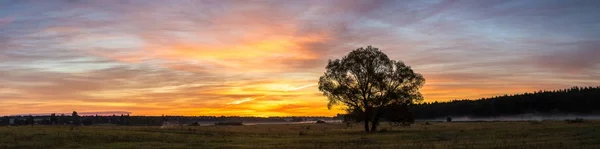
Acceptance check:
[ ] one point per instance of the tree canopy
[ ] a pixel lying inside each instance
(367, 82)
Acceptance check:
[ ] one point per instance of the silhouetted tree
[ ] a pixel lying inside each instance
(122, 120)
(62, 119)
(366, 81)
(398, 115)
(30, 120)
(354, 114)
(3, 121)
(76, 118)
(53, 119)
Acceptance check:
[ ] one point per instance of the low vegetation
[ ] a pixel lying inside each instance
(545, 134)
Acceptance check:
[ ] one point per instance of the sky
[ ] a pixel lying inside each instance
(264, 58)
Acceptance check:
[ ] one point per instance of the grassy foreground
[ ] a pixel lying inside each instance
(542, 135)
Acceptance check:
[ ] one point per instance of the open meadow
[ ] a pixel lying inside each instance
(542, 135)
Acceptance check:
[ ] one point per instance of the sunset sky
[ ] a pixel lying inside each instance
(264, 58)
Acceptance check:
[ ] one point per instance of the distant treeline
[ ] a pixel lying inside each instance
(576, 100)
(127, 120)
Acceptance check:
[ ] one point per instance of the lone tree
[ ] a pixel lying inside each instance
(368, 83)
(53, 119)
(76, 118)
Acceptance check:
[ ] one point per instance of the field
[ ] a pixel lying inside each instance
(542, 135)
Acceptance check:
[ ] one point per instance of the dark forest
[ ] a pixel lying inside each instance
(575, 100)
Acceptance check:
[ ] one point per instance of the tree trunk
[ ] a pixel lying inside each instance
(367, 125)
(374, 126)
(367, 118)
(375, 120)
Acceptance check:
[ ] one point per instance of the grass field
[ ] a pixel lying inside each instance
(542, 135)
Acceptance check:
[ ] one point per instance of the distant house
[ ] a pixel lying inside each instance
(11, 121)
